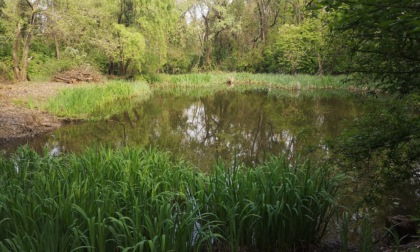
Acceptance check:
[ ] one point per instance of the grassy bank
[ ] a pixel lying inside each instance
(249, 81)
(102, 101)
(139, 200)
(97, 101)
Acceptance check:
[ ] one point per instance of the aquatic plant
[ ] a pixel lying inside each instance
(132, 199)
(253, 81)
(96, 101)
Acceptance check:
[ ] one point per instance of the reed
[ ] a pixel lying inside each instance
(366, 242)
(140, 200)
(240, 81)
(344, 232)
(101, 101)
(97, 101)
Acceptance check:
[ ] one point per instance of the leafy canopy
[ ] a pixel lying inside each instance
(384, 38)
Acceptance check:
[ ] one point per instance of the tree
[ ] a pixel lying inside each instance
(384, 39)
(24, 16)
(130, 50)
(156, 20)
(296, 49)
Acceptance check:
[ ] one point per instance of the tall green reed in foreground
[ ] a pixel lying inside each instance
(139, 200)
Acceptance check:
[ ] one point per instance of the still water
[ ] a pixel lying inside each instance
(242, 127)
(245, 127)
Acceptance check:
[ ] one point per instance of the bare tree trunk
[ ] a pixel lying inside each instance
(25, 58)
(207, 45)
(268, 17)
(111, 69)
(16, 51)
(320, 68)
(57, 47)
(20, 64)
(263, 20)
(121, 68)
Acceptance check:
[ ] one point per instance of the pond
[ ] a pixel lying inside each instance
(244, 127)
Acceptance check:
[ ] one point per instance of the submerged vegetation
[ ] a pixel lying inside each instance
(131, 199)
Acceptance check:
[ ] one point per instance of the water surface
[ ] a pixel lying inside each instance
(245, 127)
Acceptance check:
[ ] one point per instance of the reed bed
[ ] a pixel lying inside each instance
(140, 200)
(96, 102)
(241, 81)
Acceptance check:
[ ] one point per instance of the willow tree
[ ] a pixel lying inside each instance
(156, 20)
(24, 17)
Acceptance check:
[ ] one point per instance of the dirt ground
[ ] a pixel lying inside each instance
(16, 120)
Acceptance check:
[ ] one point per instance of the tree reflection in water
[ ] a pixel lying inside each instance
(246, 127)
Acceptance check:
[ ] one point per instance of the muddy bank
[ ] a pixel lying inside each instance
(17, 121)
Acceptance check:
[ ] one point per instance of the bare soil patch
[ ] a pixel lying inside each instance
(17, 121)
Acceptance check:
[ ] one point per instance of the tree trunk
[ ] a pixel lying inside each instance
(263, 20)
(207, 44)
(21, 63)
(126, 65)
(57, 47)
(25, 58)
(16, 51)
(111, 69)
(121, 68)
(320, 68)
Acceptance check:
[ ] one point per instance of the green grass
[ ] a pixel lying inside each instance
(98, 101)
(140, 200)
(249, 81)
(102, 101)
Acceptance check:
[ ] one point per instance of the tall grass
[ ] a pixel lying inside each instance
(95, 102)
(252, 81)
(98, 101)
(140, 200)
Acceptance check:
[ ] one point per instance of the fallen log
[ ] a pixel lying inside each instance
(69, 81)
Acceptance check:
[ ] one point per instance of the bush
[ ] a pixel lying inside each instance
(6, 73)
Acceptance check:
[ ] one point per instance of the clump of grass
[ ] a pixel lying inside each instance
(98, 101)
(131, 199)
(277, 205)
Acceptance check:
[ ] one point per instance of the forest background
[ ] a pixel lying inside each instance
(39, 38)
(376, 42)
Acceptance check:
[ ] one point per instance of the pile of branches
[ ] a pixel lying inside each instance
(82, 74)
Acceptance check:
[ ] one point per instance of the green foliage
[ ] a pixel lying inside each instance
(131, 46)
(156, 20)
(96, 102)
(44, 65)
(178, 62)
(384, 39)
(130, 199)
(295, 48)
(5, 69)
(383, 147)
